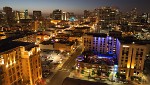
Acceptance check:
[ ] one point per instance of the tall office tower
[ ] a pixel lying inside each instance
(107, 17)
(37, 15)
(9, 14)
(131, 59)
(17, 16)
(86, 14)
(20, 64)
(64, 16)
(133, 15)
(71, 14)
(26, 14)
(2, 18)
(68, 16)
(22, 15)
(57, 14)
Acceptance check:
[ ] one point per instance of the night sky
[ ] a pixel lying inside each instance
(76, 6)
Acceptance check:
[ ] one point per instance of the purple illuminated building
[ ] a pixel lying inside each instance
(100, 43)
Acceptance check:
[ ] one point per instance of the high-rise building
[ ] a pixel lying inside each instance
(7, 10)
(57, 14)
(64, 16)
(20, 64)
(86, 14)
(26, 14)
(22, 15)
(131, 59)
(132, 15)
(9, 14)
(2, 18)
(101, 43)
(71, 14)
(107, 17)
(17, 16)
(37, 15)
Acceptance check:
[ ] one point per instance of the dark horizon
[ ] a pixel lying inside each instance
(78, 6)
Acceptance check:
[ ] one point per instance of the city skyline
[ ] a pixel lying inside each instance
(74, 42)
(47, 6)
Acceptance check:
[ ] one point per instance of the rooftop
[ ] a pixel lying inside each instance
(97, 34)
(66, 42)
(75, 35)
(115, 31)
(133, 40)
(57, 40)
(13, 44)
(50, 41)
(17, 35)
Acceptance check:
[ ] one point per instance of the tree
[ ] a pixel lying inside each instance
(93, 72)
(82, 71)
(107, 74)
(117, 75)
(89, 76)
(98, 72)
(140, 79)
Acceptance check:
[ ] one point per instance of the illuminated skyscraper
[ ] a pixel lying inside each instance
(107, 17)
(26, 14)
(57, 14)
(21, 15)
(86, 14)
(37, 15)
(64, 16)
(3, 18)
(9, 14)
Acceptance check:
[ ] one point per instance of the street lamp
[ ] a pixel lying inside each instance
(68, 54)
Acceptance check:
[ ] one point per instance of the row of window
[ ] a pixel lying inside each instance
(15, 77)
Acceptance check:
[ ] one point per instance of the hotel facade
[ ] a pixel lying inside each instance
(131, 59)
(101, 43)
(130, 56)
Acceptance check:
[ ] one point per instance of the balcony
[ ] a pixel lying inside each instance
(1, 61)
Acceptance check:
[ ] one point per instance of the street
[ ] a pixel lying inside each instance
(64, 72)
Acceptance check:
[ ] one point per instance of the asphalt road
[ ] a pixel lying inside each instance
(64, 72)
